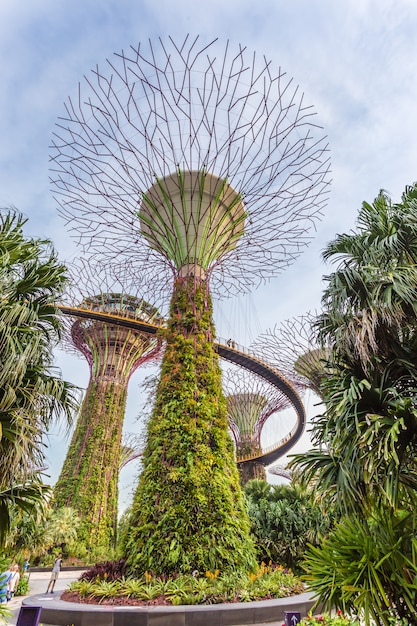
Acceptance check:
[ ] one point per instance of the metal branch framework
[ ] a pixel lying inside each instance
(169, 108)
(280, 470)
(292, 346)
(250, 402)
(114, 353)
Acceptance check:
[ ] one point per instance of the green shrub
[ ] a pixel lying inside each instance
(23, 586)
(107, 570)
(284, 520)
(368, 568)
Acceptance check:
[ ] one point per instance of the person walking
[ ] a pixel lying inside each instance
(55, 573)
(13, 581)
(4, 584)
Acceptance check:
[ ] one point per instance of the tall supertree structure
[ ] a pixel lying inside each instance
(89, 478)
(202, 165)
(294, 348)
(250, 402)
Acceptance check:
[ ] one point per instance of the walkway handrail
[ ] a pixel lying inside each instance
(232, 352)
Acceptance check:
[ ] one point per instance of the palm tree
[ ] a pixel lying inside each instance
(61, 527)
(370, 302)
(284, 519)
(32, 393)
(366, 440)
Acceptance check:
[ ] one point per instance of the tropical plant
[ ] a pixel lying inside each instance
(22, 586)
(61, 527)
(31, 390)
(214, 587)
(370, 302)
(366, 441)
(368, 568)
(106, 570)
(367, 437)
(24, 504)
(284, 520)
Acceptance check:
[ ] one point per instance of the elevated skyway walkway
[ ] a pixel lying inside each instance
(233, 353)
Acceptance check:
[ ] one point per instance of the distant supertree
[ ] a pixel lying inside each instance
(89, 478)
(197, 163)
(280, 470)
(250, 402)
(294, 348)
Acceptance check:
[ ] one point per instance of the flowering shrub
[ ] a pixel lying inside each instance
(267, 581)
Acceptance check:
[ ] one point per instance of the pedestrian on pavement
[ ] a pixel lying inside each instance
(4, 584)
(13, 581)
(55, 573)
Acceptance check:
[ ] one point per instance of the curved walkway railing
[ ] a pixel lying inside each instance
(233, 353)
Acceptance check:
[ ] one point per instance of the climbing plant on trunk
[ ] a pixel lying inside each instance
(188, 512)
(89, 478)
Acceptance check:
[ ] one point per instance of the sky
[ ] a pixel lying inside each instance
(355, 61)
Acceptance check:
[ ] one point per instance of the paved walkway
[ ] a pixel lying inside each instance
(38, 582)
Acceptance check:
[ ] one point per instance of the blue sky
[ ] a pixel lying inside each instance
(355, 61)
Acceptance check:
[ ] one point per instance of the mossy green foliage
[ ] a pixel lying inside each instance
(188, 513)
(89, 477)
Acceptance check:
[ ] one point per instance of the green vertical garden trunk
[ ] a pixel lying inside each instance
(188, 512)
(251, 470)
(89, 477)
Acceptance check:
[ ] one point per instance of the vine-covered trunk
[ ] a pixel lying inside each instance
(89, 477)
(250, 469)
(188, 512)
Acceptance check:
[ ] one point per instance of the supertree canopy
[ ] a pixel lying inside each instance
(198, 163)
(294, 348)
(214, 119)
(89, 478)
(250, 402)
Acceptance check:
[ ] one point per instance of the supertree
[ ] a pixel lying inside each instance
(293, 346)
(89, 478)
(250, 402)
(200, 164)
(280, 470)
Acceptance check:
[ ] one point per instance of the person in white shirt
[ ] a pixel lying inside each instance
(55, 573)
(13, 581)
